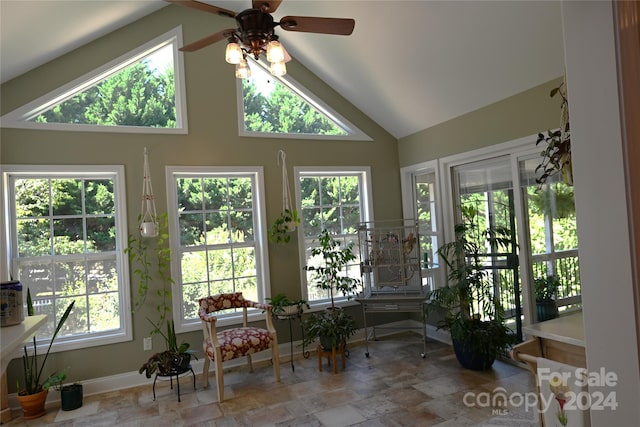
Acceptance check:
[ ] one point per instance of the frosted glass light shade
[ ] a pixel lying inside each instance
(242, 70)
(278, 69)
(233, 53)
(275, 52)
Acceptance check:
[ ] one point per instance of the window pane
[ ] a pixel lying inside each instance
(32, 197)
(189, 194)
(142, 94)
(191, 229)
(99, 197)
(101, 234)
(34, 237)
(68, 236)
(215, 190)
(67, 196)
(70, 278)
(102, 276)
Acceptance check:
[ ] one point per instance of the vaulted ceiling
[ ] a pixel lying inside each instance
(408, 65)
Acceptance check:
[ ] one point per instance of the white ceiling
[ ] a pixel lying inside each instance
(408, 65)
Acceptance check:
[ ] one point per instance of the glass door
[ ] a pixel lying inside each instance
(485, 187)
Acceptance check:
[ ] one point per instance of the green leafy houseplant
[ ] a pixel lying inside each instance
(282, 306)
(149, 256)
(472, 312)
(283, 226)
(546, 289)
(556, 157)
(33, 370)
(333, 326)
(175, 359)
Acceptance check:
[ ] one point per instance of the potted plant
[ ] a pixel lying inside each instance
(288, 220)
(34, 394)
(282, 307)
(545, 289)
(472, 312)
(283, 226)
(332, 326)
(174, 360)
(556, 157)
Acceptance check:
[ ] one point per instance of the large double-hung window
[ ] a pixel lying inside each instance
(216, 217)
(335, 199)
(66, 235)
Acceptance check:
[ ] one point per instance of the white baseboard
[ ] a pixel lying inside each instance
(134, 379)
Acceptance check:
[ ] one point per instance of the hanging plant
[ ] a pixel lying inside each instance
(288, 220)
(556, 157)
(148, 216)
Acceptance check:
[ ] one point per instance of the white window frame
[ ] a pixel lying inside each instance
(116, 172)
(353, 133)
(433, 276)
(260, 231)
(366, 214)
(20, 117)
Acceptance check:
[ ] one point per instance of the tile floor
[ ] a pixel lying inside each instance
(392, 387)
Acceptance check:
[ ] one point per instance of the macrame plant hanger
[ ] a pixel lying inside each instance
(286, 192)
(148, 216)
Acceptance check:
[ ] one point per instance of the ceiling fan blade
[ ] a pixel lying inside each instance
(307, 24)
(205, 7)
(266, 6)
(206, 41)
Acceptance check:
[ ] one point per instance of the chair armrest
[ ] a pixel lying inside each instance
(207, 317)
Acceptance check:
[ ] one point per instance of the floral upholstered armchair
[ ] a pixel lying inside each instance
(228, 344)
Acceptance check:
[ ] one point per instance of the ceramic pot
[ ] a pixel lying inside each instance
(546, 310)
(148, 229)
(33, 404)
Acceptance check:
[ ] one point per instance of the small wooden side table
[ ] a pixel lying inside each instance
(332, 356)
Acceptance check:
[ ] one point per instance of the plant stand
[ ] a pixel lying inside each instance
(175, 372)
(331, 356)
(289, 318)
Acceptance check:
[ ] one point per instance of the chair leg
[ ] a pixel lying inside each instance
(219, 378)
(249, 363)
(205, 372)
(275, 359)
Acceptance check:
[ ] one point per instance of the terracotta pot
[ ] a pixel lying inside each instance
(33, 404)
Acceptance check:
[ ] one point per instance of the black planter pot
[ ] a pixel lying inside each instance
(71, 397)
(546, 310)
(470, 359)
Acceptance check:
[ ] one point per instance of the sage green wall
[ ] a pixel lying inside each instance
(212, 140)
(524, 114)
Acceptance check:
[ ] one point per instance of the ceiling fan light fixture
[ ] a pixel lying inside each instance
(233, 54)
(278, 69)
(242, 70)
(275, 51)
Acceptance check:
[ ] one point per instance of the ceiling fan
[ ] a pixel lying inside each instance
(255, 33)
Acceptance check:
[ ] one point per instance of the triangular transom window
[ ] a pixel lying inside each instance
(279, 106)
(138, 92)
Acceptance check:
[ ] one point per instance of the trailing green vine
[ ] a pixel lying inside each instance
(141, 251)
